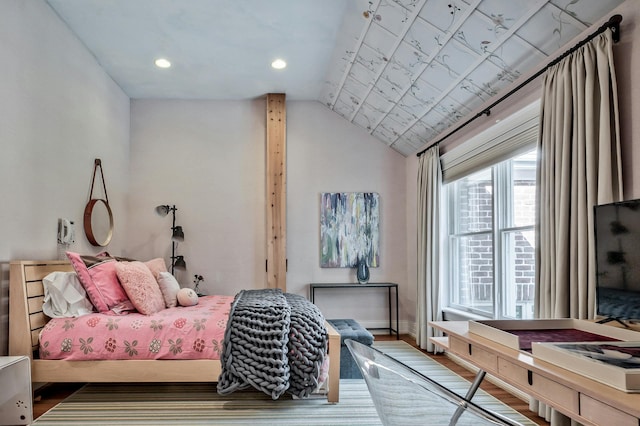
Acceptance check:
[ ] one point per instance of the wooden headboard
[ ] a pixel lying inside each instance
(26, 294)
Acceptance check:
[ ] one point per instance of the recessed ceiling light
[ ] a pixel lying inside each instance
(163, 63)
(278, 64)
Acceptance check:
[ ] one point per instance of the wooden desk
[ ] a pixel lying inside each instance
(574, 395)
(350, 286)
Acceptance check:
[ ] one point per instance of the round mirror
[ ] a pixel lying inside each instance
(98, 222)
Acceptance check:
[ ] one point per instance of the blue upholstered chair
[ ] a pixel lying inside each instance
(403, 396)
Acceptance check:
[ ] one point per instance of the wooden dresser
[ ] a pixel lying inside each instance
(577, 396)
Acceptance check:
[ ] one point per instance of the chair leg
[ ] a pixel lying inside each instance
(470, 393)
(475, 385)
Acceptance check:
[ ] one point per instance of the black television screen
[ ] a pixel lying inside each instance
(617, 240)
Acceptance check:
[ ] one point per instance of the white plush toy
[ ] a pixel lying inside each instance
(187, 297)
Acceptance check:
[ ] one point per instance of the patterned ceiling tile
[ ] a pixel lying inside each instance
(436, 121)
(515, 57)
(424, 37)
(329, 91)
(469, 95)
(371, 59)
(490, 77)
(413, 106)
(356, 88)
(412, 68)
(587, 11)
(401, 78)
(380, 40)
(392, 16)
(456, 57)
(410, 58)
(559, 28)
(419, 134)
(362, 73)
(411, 5)
(415, 144)
(345, 109)
(404, 118)
(388, 90)
(344, 53)
(478, 33)
(379, 103)
(402, 147)
(414, 139)
(368, 116)
(443, 14)
(451, 110)
(423, 91)
(331, 86)
(349, 99)
(391, 127)
(438, 76)
(503, 14)
(385, 135)
(363, 121)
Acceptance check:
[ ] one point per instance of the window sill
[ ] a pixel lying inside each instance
(451, 314)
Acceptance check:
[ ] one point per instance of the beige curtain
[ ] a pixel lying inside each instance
(579, 167)
(429, 188)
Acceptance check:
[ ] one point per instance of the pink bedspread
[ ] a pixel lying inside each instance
(194, 332)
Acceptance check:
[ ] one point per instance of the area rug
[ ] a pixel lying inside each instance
(199, 404)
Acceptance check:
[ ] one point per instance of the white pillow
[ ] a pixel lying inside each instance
(64, 296)
(169, 287)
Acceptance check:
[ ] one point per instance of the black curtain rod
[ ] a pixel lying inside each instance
(613, 23)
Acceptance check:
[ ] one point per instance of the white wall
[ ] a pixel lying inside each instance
(208, 158)
(58, 112)
(328, 154)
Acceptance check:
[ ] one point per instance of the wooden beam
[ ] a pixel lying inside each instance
(276, 191)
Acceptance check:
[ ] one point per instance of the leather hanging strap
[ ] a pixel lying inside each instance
(98, 163)
(88, 210)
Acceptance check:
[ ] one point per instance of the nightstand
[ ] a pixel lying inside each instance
(16, 406)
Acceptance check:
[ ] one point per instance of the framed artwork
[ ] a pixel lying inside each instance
(349, 229)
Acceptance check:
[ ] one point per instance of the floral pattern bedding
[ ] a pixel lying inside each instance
(193, 332)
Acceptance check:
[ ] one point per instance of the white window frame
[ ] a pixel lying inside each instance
(507, 139)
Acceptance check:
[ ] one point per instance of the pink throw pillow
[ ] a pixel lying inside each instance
(97, 274)
(141, 287)
(156, 266)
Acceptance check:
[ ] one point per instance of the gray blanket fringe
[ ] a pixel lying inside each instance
(274, 342)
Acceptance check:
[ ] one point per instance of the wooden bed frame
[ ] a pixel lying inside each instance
(26, 319)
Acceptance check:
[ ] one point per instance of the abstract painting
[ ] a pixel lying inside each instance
(349, 228)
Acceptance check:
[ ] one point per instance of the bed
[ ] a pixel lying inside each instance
(26, 320)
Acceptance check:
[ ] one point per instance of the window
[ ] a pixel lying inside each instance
(489, 219)
(490, 231)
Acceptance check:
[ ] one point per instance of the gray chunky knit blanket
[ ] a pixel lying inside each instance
(275, 342)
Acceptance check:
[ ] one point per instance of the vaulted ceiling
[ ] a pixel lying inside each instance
(403, 70)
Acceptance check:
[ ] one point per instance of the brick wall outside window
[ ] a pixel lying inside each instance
(475, 254)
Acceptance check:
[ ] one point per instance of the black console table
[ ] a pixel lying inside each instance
(389, 286)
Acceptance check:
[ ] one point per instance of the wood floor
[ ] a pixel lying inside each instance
(50, 395)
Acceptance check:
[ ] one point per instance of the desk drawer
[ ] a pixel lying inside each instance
(540, 386)
(479, 357)
(603, 414)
